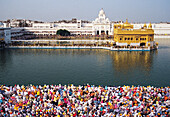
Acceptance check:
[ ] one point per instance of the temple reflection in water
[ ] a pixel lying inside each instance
(125, 62)
(122, 61)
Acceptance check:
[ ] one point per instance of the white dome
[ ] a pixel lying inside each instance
(101, 12)
(101, 18)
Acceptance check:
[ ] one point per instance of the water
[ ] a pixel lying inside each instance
(76, 66)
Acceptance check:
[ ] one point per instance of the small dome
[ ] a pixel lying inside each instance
(127, 25)
(101, 11)
(150, 25)
(145, 25)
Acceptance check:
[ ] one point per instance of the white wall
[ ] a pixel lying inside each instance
(43, 25)
(161, 30)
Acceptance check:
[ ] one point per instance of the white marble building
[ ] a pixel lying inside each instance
(78, 28)
(102, 25)
(5, 35)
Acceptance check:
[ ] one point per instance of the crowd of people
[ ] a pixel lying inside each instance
(82, 101)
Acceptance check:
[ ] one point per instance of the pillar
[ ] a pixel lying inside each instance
(100, 31)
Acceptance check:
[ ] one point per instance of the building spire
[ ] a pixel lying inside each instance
(126, 20)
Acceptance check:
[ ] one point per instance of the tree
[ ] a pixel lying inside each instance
(23, 24)
(63, 32)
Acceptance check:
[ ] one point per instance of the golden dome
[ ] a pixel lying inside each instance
(150, 25)
(127, 25)
(145, 25)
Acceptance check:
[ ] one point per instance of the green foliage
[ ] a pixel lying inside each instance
(23, 24)
(63, 32)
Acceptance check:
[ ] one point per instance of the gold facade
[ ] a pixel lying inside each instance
(1, 39)
(126, 62)
(125, 33)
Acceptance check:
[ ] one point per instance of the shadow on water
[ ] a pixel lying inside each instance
(5, 58)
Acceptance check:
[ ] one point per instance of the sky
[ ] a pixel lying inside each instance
(116, 10)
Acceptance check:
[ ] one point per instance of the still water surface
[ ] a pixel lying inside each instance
(82, 66)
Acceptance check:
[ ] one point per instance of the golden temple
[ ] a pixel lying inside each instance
(126, 35)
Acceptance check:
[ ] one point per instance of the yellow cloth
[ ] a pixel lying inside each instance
(38, 92)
